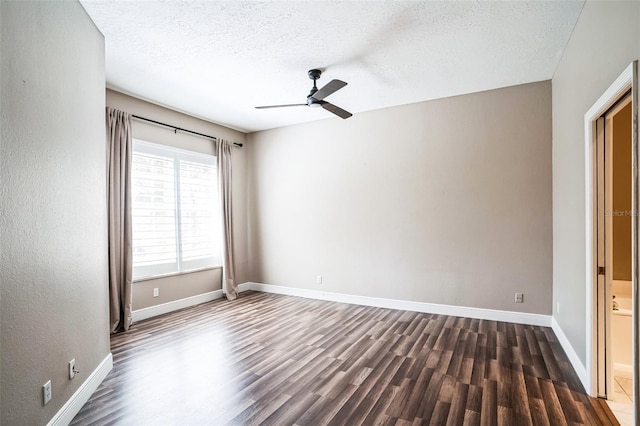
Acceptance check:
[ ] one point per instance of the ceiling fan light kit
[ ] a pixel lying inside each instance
(315, 99)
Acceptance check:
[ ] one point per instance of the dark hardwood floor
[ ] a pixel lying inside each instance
(279, 360)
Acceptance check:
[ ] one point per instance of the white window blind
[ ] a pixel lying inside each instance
(176, 220)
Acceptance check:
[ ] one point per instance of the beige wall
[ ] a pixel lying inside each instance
(605, 40)
(175, 287)
(622, 194)
(186, 285)
(53, 227)
(447, 201)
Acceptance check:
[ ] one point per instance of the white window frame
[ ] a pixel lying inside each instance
(179, 266)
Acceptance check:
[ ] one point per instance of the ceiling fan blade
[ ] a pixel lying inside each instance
(336, 110)
(280, 106)
(328, 89)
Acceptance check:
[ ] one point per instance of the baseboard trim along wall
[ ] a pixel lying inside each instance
(73, 406)
(578, 366)
(407, 305)
(623, 370)
(153, 311)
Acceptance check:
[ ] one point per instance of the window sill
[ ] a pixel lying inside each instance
(175, 274)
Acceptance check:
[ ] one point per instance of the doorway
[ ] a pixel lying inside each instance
(611, 130)
(614, 212)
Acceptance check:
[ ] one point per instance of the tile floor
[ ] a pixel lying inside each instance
(622, 403)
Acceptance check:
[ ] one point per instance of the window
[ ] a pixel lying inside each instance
(176, 220)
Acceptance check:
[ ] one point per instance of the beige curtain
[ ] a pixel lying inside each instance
(224, 182)
(119, 148)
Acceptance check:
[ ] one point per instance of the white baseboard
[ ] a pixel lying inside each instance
(82, 395)
(406, 305)
(153, 311)
(578, 366)
(244, 287)
(623, 370)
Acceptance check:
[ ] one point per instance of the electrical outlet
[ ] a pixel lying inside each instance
(46, 393)
(156, 292)
(72, 369)
(519, 297)
(319, 279)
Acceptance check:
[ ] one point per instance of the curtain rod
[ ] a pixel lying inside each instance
(175, 129)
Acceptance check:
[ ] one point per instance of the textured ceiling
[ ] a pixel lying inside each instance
(217, 60)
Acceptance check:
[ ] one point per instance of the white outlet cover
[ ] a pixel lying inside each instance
(46, 392)
(72, 366)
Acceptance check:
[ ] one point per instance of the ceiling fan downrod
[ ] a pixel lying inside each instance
(314, 75)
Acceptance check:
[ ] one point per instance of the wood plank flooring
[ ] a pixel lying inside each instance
(280, 360)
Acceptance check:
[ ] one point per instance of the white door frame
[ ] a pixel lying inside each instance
(619, 87)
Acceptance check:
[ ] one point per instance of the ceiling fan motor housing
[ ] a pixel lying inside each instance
(313, 103)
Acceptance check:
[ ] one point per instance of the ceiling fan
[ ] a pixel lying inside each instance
(315, 99)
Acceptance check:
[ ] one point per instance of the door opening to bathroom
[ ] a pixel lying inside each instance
(615, 252)
(603, 183)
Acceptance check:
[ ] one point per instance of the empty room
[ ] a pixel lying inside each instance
(319, 212)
